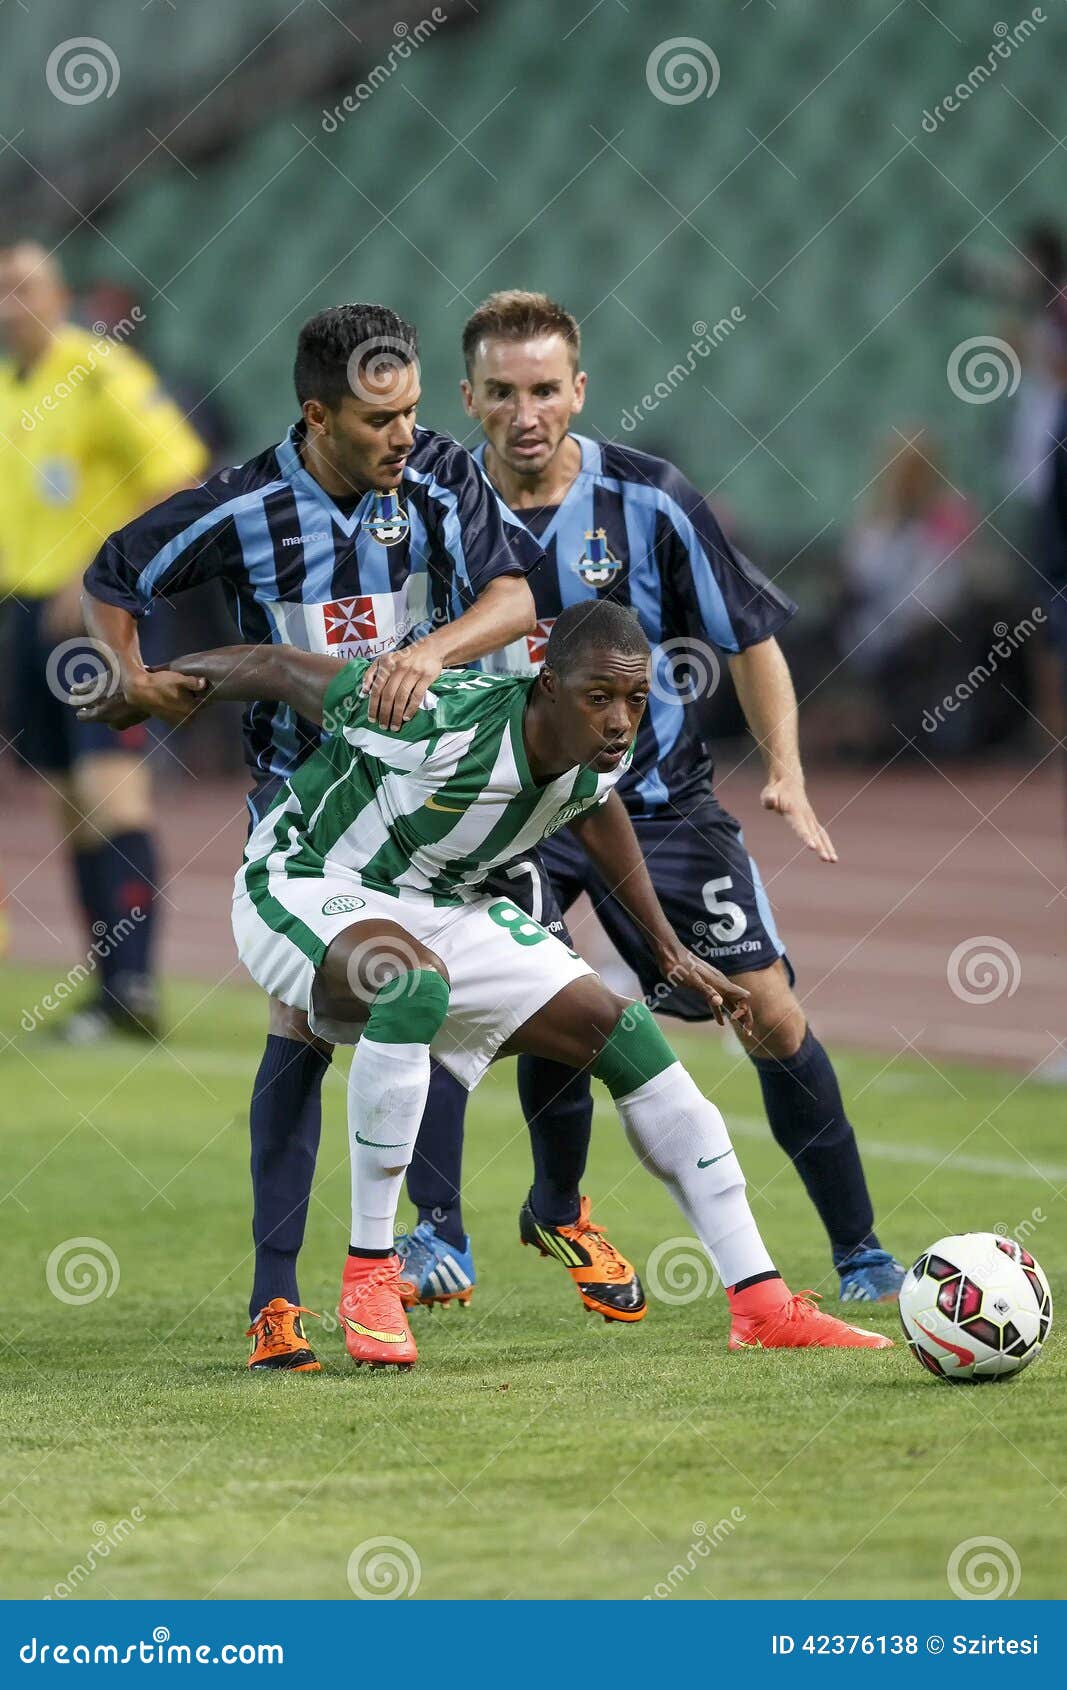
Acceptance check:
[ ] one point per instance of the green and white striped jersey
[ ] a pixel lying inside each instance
(427, 811)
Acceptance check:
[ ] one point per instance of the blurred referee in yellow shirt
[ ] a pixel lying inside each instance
(87, 442)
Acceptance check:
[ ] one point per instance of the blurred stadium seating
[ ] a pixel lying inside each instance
(843, 337)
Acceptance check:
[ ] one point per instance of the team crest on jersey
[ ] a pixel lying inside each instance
(343, 905)
(567, 814)
(597, 565)
(350, 621)
(387, 522)
(537, 642)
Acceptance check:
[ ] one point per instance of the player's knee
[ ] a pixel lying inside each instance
(70, 820)
(634, 1052)
(607, 1010)
(780, 1035)
(410, 1008)
(112, 789)
(778, 1022)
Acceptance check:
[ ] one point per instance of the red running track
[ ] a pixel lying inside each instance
(929, 862)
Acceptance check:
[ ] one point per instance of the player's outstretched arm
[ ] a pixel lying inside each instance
(244, 673)
(607, 835)
(137, 692)
(275, 673)
(765, 691)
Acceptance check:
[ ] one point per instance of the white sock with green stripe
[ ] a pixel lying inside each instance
(387, 1086)
(682, 1139)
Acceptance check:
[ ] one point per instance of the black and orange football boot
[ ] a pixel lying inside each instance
(279, 1341)
(607, 1283)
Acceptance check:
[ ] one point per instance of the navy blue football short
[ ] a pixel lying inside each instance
(260, 799)
(709, 887)
(42, 726)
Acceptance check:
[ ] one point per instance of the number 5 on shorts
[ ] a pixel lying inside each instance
(732, 918)
(522, 929)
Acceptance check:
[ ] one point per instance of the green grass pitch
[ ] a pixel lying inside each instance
(535, 1451)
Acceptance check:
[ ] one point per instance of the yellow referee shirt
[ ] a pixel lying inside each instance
(87, 441)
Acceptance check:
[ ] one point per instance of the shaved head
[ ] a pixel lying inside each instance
(33, 299)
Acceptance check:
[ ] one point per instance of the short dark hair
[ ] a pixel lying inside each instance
(599, 625)
(327, 341)
(516, 315)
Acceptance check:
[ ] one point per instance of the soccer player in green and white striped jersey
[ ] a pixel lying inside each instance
(364, 899)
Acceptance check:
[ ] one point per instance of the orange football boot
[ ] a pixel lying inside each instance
(278, 1339)
(768, 1316)
(375, 1326)
(607, 1283)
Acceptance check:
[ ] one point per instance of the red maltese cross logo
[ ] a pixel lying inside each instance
(349, 621)
(538, 640)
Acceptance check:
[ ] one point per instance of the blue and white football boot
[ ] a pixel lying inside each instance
(433, 1271)
(870, 1276)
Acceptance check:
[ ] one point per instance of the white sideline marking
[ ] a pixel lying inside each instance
(744, 1126)
(919, 1155)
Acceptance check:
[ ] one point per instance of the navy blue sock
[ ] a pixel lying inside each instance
(437, 1164)
(558, 1104)
(807, 1117)
(285, 1121)
(127, 874)
(86, 866)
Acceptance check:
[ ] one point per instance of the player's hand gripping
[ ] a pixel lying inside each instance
(681, 967)
(398, 682)
(161, 693)
(787, 795)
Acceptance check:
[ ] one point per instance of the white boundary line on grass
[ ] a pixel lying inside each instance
(744, 1126)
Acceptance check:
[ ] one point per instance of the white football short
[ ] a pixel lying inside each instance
(502, 965)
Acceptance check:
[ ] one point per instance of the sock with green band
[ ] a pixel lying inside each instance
(681, 1138)
(635, 1052)
(409, 1010)
(387, 1086)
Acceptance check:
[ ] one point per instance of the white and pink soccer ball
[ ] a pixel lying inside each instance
(975, 1308)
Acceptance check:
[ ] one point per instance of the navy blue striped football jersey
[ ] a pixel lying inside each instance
(632, 528)
(349, 578)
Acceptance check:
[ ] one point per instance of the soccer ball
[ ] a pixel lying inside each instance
(975, 1308)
